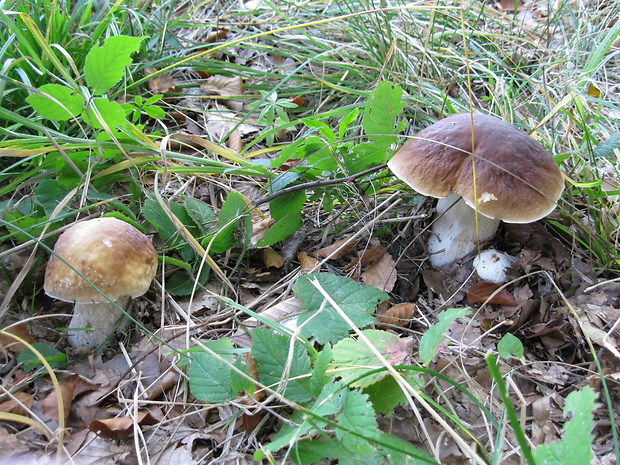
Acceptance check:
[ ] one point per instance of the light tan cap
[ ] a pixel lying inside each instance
(110, 253)
(518, 181)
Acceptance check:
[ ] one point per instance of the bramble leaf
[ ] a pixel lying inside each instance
(271, 353)
(356, 301)
(68, 105)
(575, 448)
(436, 334)
(105, 65)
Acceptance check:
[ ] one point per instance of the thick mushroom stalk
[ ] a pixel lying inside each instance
(498, 170)
(114, 262)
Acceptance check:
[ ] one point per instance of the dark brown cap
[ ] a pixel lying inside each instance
(517, 180)
(110, 253)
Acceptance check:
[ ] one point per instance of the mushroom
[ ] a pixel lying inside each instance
(116, 262)
(516, 180)
(492, 266)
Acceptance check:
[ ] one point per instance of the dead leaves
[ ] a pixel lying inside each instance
(71, 387)
(489, 293)
(120, 427)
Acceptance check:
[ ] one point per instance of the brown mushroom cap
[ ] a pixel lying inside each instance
(110, 253)
(518, 181)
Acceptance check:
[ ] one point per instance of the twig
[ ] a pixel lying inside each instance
(312, 184)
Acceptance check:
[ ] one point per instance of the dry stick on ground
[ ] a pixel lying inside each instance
(312, 184)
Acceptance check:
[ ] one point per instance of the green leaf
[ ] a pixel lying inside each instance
(436, 334)
(609, 147)
(510, 346)
(104, 66)
(272, 355)
(356, 300)
(353, 358)
(101, 110)
(281, 229)
(346, 122)
(202, 214)
(49, 193)
(289, 203)
(234, 223)
(381, 113)
(60, 104)
(575, 448)
(358, 416)
(30, 361)
(387, 393)
(209, 378)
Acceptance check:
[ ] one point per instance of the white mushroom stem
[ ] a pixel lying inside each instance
(103, 317)
(454, 233)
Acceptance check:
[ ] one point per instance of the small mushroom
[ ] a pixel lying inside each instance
(516, 179)
(117, 263)
(492, 266)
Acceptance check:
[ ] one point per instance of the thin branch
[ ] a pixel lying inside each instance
(313, 184)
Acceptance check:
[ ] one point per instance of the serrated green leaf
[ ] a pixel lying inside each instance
(101, 110)
(575, 448)
(49, 193)
(353, 358)
(387, 393)
(209, 378)
(436, 334)
(60, 104)
(356, 301)
(105, 65)
(381, 113)
(270, 352)
(510, 346)
(281, 229)
(358, 416)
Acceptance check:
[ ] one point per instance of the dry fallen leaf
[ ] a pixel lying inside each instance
(20, 330)
(120, 427)
(399, 314)
(225, 87)
(482, 292)
(381, 273)
(70, 387)
(160, 84)
(19, 405)
(337, 250)
(272, 259)
(307, 262)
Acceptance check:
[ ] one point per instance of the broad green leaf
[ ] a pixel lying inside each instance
(202, 214)
(210, 378)
(105, 65)
(281, 229)
(510, 346)
(346, 122)
(60, 104)
(387, 393)
(436, 334)
(353, 358)
(357, 301)
(30, 361)
(271, 352)
(101, 110)
(234, 225)
(608, 148)
(575, 448)
(49, 193)
(286, 204)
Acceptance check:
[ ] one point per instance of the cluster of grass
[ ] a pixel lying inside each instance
(312, 74)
